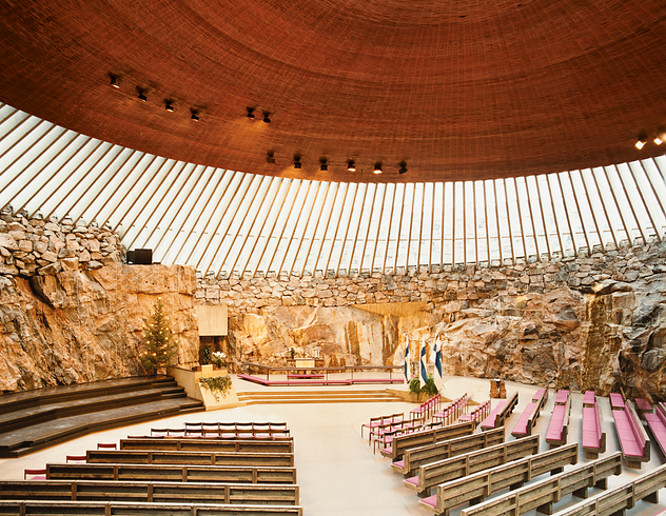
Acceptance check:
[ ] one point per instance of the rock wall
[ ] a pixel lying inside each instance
(590, 322)
(70, 311)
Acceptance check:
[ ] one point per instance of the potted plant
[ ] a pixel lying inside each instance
(218, 358)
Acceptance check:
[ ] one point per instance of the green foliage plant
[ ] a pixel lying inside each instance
(218, 385)
(160, 346)
(429, 388)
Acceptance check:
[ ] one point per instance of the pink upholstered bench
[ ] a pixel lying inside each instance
(558, 427)
(593, 437)
(561, 397)
(589, 399)
(430, 501)
(657, 424)
(616, 401)
(523, 427)
(643, 406)
(632, 436)
(490, 421)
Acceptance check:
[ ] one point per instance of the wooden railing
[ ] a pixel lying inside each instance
(255, 368)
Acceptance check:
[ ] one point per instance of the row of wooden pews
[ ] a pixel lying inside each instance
(167, 475)
(447, 471)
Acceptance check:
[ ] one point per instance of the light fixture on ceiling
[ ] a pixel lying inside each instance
(378, 168)
(267, 117)
(323, 164)
(403, 167)
(250, 113)
(297, 161)
(168, 105)
(641, 140)
(661, 136)
(195, 114)
(351, 166)
(270, 156)
(115, 80)
(141, 94)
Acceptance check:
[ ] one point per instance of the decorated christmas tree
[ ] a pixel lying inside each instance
(160, 347)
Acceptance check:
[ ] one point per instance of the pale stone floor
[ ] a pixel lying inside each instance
(337, 471)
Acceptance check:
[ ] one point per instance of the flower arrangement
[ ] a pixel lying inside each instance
(218, 358)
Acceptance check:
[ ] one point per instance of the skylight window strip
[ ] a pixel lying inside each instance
(147, 242)
(18, 125)
(603, 202)
(533, 217)
(196, 229)
(410, 225)
(322, 238)
(650, 169)
(562, 199)
(343, 242)
(432, 226)
(403, 186)
(23, 141)
(592, 211)
(182, 214)
(555, 219)
(539, 200)
(508, 220)
(375, 187)
(390, 228)
(272, 191)
(618, 207)
(307, 198)
(343, 204)
(358, 227)
(238, 197)
(62, 181)
(639, 190)
(84, 174)
(620, 169)
(285, 222)
(520, 215)
(380, 224)
(579, 213)
(174, 209)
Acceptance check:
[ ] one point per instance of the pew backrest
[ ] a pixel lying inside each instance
(173, 472)
(499, 414)
(182, 457)
(424, 437)
(217, 445)
(558, 427)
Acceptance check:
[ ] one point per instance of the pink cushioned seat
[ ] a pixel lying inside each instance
(413, 480)
(430, 500)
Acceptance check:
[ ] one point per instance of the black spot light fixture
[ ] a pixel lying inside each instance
(403, 167)
(267, 117)
(115, 80)
(351, 165)
(250, 113)
(141, 94)
(323, 164)
(168, 105)
(297, 161)
(195, 114)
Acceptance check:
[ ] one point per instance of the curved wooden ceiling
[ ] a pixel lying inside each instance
(459, 90)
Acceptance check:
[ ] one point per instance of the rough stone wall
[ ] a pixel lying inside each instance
(70, 311)
(588, 322)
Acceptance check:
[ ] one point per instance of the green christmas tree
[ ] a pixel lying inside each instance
(160, 347)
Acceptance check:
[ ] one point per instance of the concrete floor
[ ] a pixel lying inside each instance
(337, 471)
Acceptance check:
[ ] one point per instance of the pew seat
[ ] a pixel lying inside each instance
(558, 428)
(633, 438)
(657, 424)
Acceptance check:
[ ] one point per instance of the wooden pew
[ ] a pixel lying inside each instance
(593, 436)
(128, 491)
(230, 430)
(501, 411)
(558, 428)
(217, 445)
(657, 424)
(645, 487)
(474, 488)
(452, 410)
(66, 508)
(380, 421)
(633, 438)
(435, 473)
(530, 414)
(542, 494)
(415, 457)
(173, 472)
(427, 408)
(478, 414)
(384, 434)
(424, 437)
(179, 457)
(643, 407)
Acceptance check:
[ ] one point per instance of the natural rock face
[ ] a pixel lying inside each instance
(72, 320)
(591, 322)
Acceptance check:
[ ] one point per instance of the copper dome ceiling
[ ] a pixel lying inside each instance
(459, 90)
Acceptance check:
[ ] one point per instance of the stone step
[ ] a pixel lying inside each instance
(319, 396)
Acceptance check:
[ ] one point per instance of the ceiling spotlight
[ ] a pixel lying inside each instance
(250, 113)
(297, 161)
(351, 166)
(168, 105)
(270, 156)
(403, 167)
(323, 164)
(267, 117)
(641, 140)
(378, 168)
(115, 80)
(661, 136)
(195, 114)
(142, 94)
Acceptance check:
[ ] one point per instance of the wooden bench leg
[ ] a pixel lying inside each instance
(652, 498)
(546, 508)
(601, 484)
(590, 455)
(580, 493)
